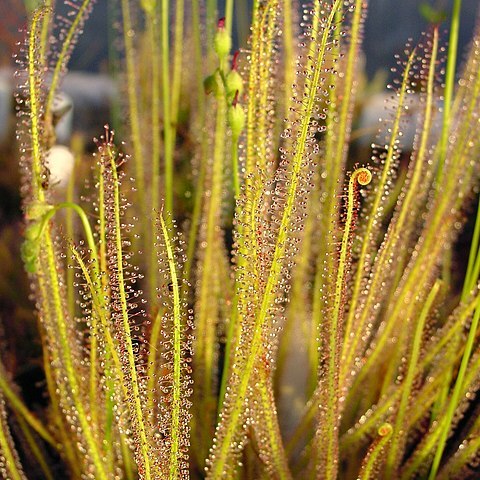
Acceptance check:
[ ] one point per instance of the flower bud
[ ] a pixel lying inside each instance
(222, 42)
(236, 119)
(234, 83)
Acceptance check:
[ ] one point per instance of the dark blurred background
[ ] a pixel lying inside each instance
(390, 23)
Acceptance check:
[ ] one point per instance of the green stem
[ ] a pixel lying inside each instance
(94, 257)
(67, 357)
(456, 395)
(400, 433)
(35, 101)
(274, 445)
(176, 401)
(156, 133)
(36, 451)
(197, 206)
(471, 277)
(256, 158)
(431, 351)
(289, 71)
(130, 474)
(235, 170)
(45, 33)
(55, 392)
(204, 351)
(167, 120)
(23, 412)
(229, 424)
(10, 463)
(242, 21)
(177, 63)
(49, 265)
(449, 85)
(63, 57)
(369, 470)
(69, 226)
(331, 418)
(364, 257)
(210, 20)
(154, 342)
(228, 16)
(137, 413)
(134, 109)
(430, 440)
(466, 451)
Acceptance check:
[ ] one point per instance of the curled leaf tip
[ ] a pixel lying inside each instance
(363, 176)
(385, 430)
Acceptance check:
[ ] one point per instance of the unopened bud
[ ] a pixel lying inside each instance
(234, 83)
(236, 119)
(222, 42)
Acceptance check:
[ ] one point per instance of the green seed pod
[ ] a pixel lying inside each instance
(34, 230)
(30, 249)
(29, 252)
(236, 119)
(222, 42)
(234, 83)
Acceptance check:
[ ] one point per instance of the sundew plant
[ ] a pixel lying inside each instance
(227, 238)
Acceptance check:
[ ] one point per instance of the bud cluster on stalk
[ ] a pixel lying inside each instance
(227, 82)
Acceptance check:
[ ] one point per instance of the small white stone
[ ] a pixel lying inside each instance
(60, 161)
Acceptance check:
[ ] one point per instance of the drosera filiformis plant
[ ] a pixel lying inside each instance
(190, 379)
